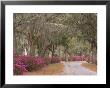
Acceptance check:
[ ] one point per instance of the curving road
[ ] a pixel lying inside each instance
(75, 68)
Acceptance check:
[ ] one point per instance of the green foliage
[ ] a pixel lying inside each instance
(44, 32)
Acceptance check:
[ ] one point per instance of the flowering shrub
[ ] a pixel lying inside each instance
(55, 59)
(21, 64)
(39, 61)
(18, 69)
(47, 60)
(76, 58)
(29, 63)
(63, 59)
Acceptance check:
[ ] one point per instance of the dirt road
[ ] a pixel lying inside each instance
(75, 68)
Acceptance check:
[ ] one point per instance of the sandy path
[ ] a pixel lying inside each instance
(75, 68)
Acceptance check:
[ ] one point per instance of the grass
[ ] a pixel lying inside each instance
(92, 67)
(52, 69)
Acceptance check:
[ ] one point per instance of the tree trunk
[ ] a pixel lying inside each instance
(41, 52)
(32, 50)
(53, 50)
(91, 53)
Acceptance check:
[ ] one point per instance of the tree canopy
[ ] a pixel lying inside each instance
(45, 33)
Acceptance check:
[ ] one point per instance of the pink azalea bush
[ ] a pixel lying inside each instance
(18, 69)
(39, 61)
(29, 63)
(55, 59)
(47, 60)
(76, 58)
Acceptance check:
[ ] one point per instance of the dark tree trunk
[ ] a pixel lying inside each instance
(32, 50)
(53, 50)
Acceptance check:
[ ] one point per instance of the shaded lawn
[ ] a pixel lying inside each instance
(51, 69)
(92, 67)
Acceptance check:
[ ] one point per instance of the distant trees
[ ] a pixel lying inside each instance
(42, 33)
